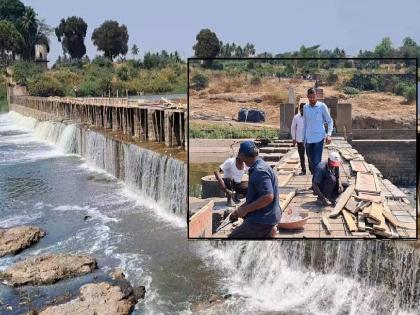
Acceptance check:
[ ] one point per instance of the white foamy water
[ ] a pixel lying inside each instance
(300, 277)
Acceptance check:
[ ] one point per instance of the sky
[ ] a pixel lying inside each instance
(272, 26)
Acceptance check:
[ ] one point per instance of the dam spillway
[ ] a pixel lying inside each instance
(160, 122)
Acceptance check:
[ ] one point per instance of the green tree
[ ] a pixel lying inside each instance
(207, 45)
(384, 49)
(135, 50)
(111, 38)
(10, 40)
(409, 49)
(71, 33)
(11, 10)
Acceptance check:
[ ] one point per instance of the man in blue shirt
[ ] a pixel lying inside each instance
(261, 210)
(315, 115)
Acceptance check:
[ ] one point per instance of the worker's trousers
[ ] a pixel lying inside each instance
(314, 153)
(301, 150)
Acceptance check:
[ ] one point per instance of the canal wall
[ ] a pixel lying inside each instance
(154, 122)
(395, 159)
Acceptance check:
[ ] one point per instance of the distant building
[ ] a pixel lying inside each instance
(41, 55)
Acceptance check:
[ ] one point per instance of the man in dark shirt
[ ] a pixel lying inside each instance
(261, 210)
(326, 180)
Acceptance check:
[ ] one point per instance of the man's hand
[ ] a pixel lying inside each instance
(328, 139)
(340, 188)
(294, 142)
(242, 211)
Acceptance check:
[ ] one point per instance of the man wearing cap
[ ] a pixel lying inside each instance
(315, 115)
(261, 210)
(326, 180)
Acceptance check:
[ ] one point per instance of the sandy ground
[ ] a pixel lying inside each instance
(224, 97)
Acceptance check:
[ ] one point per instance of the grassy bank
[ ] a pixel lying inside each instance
(101, 77)
(223, 131)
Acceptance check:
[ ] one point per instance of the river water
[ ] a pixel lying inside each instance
(42, 182)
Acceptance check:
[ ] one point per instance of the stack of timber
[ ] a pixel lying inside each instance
(363, 205)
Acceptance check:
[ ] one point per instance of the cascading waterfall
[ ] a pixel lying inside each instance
(327, 276)
(158, 177)
(312, 277)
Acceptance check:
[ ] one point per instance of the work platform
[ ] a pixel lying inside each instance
(371, 206)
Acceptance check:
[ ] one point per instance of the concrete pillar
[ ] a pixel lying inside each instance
(344, 119)
(287, 112)
(115, 122)
(168, 126)
(151, 125)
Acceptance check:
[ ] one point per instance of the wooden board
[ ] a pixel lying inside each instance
(327, 224)
(361, 222)
(284, 179)
(376, 212)
(365, 182)
(349, 221)
(394, 190)
(390, 217)
(286, 201)
(359, 166)
(351, 205)
(342, 200)
(369, 197)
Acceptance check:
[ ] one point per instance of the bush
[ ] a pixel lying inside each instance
(23, 71)
(331, 78)
(350, 90)
(200, 82)
(410, 92)
(45, 85)
(102, 61)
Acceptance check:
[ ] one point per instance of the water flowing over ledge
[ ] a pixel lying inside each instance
(157, 176)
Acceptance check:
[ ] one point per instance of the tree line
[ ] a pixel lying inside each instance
(208, 45)
(21, 29)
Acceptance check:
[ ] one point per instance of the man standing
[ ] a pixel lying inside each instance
(297, 135)
(315, 114)
(233, 171)
(261, 211)
(326, 180)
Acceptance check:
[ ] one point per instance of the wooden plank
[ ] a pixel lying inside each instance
(394, 190)
(327, 225)
(390, 217)
(285, 180)
(365, 182)
(342, 200)
(361, 222)
(351, 205)
(286, 201)
(368, 197)
(376, 212)
(361, 234)
(350, 221)
(358, 166)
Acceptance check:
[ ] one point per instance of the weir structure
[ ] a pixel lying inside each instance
(163, 122)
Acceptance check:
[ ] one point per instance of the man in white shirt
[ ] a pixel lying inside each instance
(233, 170)
(297, 130)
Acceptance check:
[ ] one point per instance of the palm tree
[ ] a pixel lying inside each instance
(28, 25)
(135, 50)
(34, 31)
